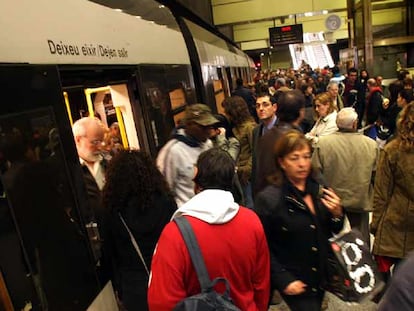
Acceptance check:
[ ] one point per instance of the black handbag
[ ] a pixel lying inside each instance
(352, 271)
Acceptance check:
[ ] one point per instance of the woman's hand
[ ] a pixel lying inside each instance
(332, 202)
(295, 288)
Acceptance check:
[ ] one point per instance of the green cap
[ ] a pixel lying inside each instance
(200, 114)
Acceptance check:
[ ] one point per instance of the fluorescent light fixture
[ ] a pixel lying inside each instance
(118, 10)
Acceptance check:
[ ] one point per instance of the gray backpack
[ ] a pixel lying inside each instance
(208, 299)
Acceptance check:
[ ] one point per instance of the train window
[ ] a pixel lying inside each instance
(214, 55)
(167, 89)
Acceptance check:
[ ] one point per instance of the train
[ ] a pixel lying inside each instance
(135, 63)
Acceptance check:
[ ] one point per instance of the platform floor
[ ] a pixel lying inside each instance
(334, 304)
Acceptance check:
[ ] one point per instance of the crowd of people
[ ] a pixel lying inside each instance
(264, 187)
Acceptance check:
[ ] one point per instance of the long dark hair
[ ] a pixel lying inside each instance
(132, 175)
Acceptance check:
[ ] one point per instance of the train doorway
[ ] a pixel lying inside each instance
(107, 94)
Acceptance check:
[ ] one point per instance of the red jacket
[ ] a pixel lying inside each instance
(236, 250)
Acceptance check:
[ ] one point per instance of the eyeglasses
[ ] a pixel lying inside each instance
(263, 104)
(95, 142)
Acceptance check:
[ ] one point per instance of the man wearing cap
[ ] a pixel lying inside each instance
(177, 158)
(347, 161)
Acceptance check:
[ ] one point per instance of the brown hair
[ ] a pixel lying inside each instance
(290, 141)
(236, 109)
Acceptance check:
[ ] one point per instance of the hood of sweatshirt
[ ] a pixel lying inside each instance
(212, 206)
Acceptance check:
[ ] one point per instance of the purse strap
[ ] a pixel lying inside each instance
(134, 243)
(196, 257)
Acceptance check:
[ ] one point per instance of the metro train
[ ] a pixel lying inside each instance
(59, 61)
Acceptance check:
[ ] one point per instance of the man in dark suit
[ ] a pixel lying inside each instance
(290, 112)
(266, 108)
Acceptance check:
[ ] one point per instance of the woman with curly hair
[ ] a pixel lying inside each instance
(236, 110)
(137, 191)
(393, 216)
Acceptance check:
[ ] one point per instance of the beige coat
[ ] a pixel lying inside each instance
(393, 217)
(347, 161)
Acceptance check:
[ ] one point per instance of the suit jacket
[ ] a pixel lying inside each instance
(263, 159)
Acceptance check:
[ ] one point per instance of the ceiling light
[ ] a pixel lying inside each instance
(118, 10)
(161, 6)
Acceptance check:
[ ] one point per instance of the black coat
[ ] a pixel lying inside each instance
(128, 273)
(257, 134)
(298, 240)
(94, 211)
(264, 163)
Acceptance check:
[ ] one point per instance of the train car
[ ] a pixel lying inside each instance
(135, 64)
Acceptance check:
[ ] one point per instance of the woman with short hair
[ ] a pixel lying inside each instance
(298, 216)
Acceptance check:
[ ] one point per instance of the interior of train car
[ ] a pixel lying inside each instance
(126, 70)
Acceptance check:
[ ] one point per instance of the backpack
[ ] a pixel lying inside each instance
(208, 299)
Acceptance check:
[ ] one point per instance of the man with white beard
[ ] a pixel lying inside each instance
(89, 135)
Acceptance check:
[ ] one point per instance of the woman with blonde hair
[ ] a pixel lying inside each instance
(326, 123)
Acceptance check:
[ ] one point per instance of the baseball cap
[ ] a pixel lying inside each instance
(200, 114)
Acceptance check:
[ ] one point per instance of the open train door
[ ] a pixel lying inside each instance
(45, 257)
(113, 105)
